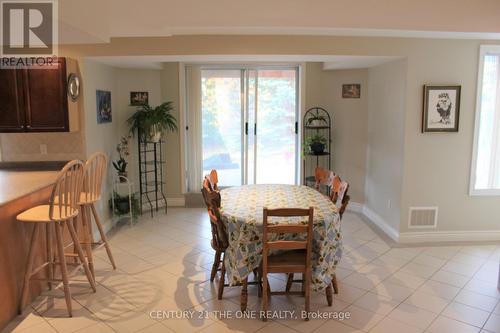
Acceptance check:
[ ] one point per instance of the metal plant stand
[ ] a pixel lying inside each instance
(151, 175)
(317, 121)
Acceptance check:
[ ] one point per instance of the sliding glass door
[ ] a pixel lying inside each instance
(248, 124)
(221, 119)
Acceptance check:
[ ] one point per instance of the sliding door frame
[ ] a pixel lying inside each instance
(244, 86)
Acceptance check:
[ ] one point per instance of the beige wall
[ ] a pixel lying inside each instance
(385, 144)
(436, 166)
(99, 137)
(349, 121)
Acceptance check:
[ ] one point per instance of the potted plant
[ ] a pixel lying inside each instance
(121, 164)
(122, 204)
(316, 121)
(316, 144)
(152, 122)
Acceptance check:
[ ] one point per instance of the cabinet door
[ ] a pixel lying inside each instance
(46, 99)
(11, 101)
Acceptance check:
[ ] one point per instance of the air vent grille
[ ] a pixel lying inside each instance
(423, 217)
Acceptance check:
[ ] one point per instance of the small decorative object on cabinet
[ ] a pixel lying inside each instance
(317, 142)
(151, 123)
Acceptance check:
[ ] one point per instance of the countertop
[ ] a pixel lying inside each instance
(15, 184)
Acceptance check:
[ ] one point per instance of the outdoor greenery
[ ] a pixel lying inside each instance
(148, 120)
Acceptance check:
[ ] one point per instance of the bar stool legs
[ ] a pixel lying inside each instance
(103, 236)
(29, 267)
(50, 262)
(88, 210)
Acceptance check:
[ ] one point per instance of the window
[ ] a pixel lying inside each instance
(485, 178)
(243, 122)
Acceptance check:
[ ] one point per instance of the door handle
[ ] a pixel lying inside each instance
(246, 128)
(296, 127)
(255, 129)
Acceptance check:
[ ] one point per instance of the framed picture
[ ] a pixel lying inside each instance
(441, 108)
(351, 91)
(138, 98)
(103, 101)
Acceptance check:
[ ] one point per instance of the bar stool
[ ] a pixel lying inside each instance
(94, 174)
(62, 210)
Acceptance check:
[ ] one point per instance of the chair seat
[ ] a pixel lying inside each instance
(287, 260)
(41, 214)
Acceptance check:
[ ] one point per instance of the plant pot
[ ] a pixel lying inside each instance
(122, 207)
(121, 175)
(154, 134)
(315, 123)
(317, 148)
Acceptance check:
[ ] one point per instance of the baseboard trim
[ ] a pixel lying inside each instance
(381, 224)
(428, 236)
(449, 236)
(355, 207)
(171, 202)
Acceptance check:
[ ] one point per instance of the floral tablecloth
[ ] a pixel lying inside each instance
(242, 213)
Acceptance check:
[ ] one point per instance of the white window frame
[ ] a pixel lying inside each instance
(483, 51)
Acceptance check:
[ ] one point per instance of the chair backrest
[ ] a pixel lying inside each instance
(287, 228)
(66, 192)
(212, 200)
(95, 173)
(338, 194)
(213, 179)
(322, 177)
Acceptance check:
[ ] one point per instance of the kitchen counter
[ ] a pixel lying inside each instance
(20, 189)
(17, 184)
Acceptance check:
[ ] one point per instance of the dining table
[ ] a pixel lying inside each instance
(242, 214)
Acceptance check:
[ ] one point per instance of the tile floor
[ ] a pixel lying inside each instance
(164, 265)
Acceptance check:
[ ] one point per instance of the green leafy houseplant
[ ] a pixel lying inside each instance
(316, 121)
(315, 144)
(152, 122)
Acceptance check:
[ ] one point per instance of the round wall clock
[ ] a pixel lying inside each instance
(73, 86)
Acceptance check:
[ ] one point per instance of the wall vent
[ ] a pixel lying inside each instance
(423, 217)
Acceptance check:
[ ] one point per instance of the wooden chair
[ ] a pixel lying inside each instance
(340, 199)
(94, 175)
(296, 257)
(62, 210)
(322, 177)
(213, 179)
(219, 242)
(339, 195)
(219, 236)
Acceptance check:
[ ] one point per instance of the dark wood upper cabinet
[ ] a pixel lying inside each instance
(35, 99)
(11, 101)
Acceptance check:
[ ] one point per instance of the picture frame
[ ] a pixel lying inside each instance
(351, 90)
(441, 108)
(103, 106)
(138, 98)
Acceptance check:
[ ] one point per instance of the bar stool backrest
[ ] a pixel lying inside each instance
(95, 172)
(66, 192)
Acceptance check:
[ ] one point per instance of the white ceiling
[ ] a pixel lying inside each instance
(96, 21)
(329, 62)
